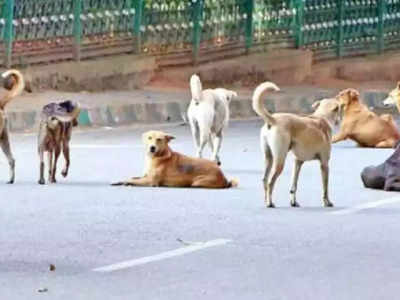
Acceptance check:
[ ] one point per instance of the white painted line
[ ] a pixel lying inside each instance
(162, 256)
(358, 208)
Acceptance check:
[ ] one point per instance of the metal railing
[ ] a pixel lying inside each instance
(189, 31)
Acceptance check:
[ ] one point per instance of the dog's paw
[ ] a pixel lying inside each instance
(41, 181)
(117, 183)
(294, 204)
(10, 182)
(64, 173)
(270, 205)
(328, 204)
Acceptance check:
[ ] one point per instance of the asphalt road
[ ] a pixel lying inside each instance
(82, 224)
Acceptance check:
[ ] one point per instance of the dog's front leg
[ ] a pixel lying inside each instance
(341, 136)
(138, 181)
(325, 183)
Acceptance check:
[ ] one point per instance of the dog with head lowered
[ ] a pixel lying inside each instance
(393, 97)
(54, 135)
(363, 126)
(167, 168)
(14, 83)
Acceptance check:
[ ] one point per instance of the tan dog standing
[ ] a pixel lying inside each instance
(394, 97)
(308, 137)
(165, 167)
(363, 126)
(15, 84)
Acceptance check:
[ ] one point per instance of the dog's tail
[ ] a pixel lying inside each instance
(16, 89)
(73, 115)
(233, 183)
(258, 105)
(196, 87)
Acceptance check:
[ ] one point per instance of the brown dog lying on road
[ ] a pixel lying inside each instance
(165, 167)
(363, 126)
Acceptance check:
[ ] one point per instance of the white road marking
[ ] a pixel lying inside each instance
(358, 208)
(162, 256)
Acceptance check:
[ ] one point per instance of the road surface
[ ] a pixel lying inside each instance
(162, 243)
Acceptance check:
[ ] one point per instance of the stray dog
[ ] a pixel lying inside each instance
(208, 115)
(363, 126)
(386, 176)
(14, 83)
(165, 167)
(54, 135)
(393, 98)
(308, 137)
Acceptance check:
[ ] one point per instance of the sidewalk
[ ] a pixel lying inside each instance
(155, 104)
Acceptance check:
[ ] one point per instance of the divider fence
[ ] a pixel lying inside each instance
(191, 31)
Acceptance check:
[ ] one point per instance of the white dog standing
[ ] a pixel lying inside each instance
(208, 115)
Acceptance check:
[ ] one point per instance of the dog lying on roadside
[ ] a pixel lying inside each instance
(385, 176)
(165, 167)
(14, 83)
(394, 97)
(307, 137)
(208, 115)
(363, 126)
(54, 135)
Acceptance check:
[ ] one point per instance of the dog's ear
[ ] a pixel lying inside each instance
(398, 85)
(169, 138)
(315, 105)
(354, 94)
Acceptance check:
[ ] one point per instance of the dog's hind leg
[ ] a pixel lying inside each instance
(208, 182)
(50, 164)
(41, 172)
(5, 145)
(279, 149)
(325, 182)
(195, 133)
(390, 143)
(217, 147)
(57, 152)
(295, 178)
(64, 172)
(204, 138)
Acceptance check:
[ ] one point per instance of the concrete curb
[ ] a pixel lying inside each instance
(165, 112)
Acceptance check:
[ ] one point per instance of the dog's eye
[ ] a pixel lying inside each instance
(158, 140)
(150, 138)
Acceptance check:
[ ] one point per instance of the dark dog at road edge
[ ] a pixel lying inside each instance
(385, 176)
(55, 134)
